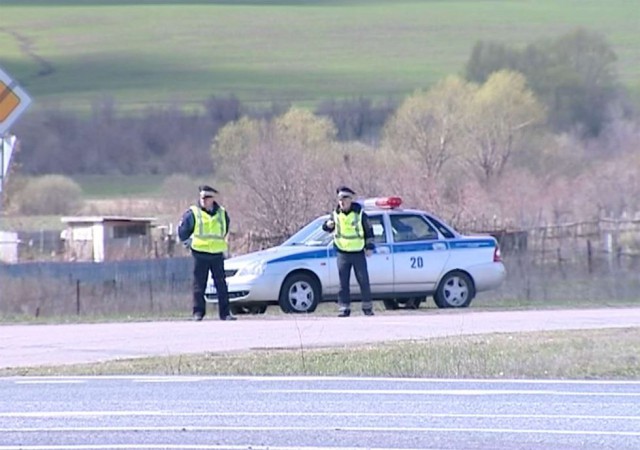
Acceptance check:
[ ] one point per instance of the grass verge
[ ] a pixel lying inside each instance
(581, 354)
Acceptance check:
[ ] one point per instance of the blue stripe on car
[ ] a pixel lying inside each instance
(298, 256)
(395, 248)
(475, 243)
(415, 247)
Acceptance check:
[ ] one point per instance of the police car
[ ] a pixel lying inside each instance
(417, 255)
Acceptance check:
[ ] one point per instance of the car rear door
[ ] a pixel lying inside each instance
(419, 253)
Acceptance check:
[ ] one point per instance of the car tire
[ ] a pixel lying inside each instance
(390, 304)
(240, 309)
(456, 290)
(300, 293)
(414, 302)
(258, 309)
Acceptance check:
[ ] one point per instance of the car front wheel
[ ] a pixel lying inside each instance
(300, 293)
(456, 290)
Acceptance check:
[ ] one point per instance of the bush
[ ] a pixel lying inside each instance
(50, 194)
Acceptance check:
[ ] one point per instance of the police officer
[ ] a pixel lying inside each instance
(353, 239)
(204, 229)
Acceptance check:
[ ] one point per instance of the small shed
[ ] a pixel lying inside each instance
(107, 238)
(9, 247)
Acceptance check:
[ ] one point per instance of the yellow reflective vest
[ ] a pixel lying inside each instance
(348, 235)
(209, 232)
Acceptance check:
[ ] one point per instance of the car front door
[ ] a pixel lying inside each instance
(419, 255)
(379, 264)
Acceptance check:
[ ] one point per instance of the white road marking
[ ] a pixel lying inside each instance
(461, 392)
(167, 380)
(329, 379)
(325, 428)
(81, 414)
(51, 381)
(188, 447)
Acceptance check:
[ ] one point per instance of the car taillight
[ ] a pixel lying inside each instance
(497, 257)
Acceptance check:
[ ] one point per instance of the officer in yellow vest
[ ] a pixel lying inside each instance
(353, 240)
(204, 229)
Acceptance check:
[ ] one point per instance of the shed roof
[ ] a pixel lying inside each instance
(103, 219)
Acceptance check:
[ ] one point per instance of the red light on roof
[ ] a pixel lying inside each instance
(385, 202)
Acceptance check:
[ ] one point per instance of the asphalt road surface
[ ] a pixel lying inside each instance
(31, 345)
(316, 413)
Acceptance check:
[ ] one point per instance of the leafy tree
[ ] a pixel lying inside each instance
(304, 129)
(429, 123)
(573, 75)
(498, 118)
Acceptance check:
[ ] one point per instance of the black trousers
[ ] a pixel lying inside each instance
(205, 263)
(358, 261)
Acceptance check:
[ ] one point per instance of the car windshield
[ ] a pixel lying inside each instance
(311, 235)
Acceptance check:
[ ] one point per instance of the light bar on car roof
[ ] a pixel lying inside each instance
(383, 202)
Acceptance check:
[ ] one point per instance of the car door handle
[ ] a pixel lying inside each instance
(382, 250)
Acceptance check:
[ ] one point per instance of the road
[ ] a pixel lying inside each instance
(316, 413)
(30, 345)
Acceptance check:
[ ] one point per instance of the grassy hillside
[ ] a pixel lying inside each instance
(144, 52)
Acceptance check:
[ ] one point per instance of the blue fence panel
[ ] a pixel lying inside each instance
(155, 270)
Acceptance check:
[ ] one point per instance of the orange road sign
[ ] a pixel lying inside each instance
(13, 102)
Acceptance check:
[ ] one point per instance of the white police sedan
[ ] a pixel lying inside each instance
(417, 255)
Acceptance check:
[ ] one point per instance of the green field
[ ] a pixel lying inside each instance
(153, 52)
(106, 186)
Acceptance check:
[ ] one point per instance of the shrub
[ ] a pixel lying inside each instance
(50, 194)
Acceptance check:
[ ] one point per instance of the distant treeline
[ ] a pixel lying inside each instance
(161, 140)
(573, 76)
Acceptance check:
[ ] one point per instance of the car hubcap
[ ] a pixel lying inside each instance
(301, 296)
(456, 291)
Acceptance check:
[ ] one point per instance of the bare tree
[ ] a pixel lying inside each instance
(283, 171)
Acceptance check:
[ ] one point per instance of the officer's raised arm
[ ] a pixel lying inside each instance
(329, 225)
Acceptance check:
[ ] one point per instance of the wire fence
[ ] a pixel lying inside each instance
(598, 262)
(111, 288)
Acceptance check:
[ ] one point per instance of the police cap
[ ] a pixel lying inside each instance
(344, 191)
(206, 191)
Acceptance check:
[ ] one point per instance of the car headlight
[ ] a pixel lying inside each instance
(254, 268)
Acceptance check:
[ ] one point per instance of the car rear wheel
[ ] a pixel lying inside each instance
(237, 309)
(300, 293)
(390, 304)
(413, 302)
(456, 290)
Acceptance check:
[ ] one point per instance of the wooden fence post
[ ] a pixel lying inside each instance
(77, 297)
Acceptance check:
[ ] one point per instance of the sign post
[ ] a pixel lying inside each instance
(7, 145)
(13, 103)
